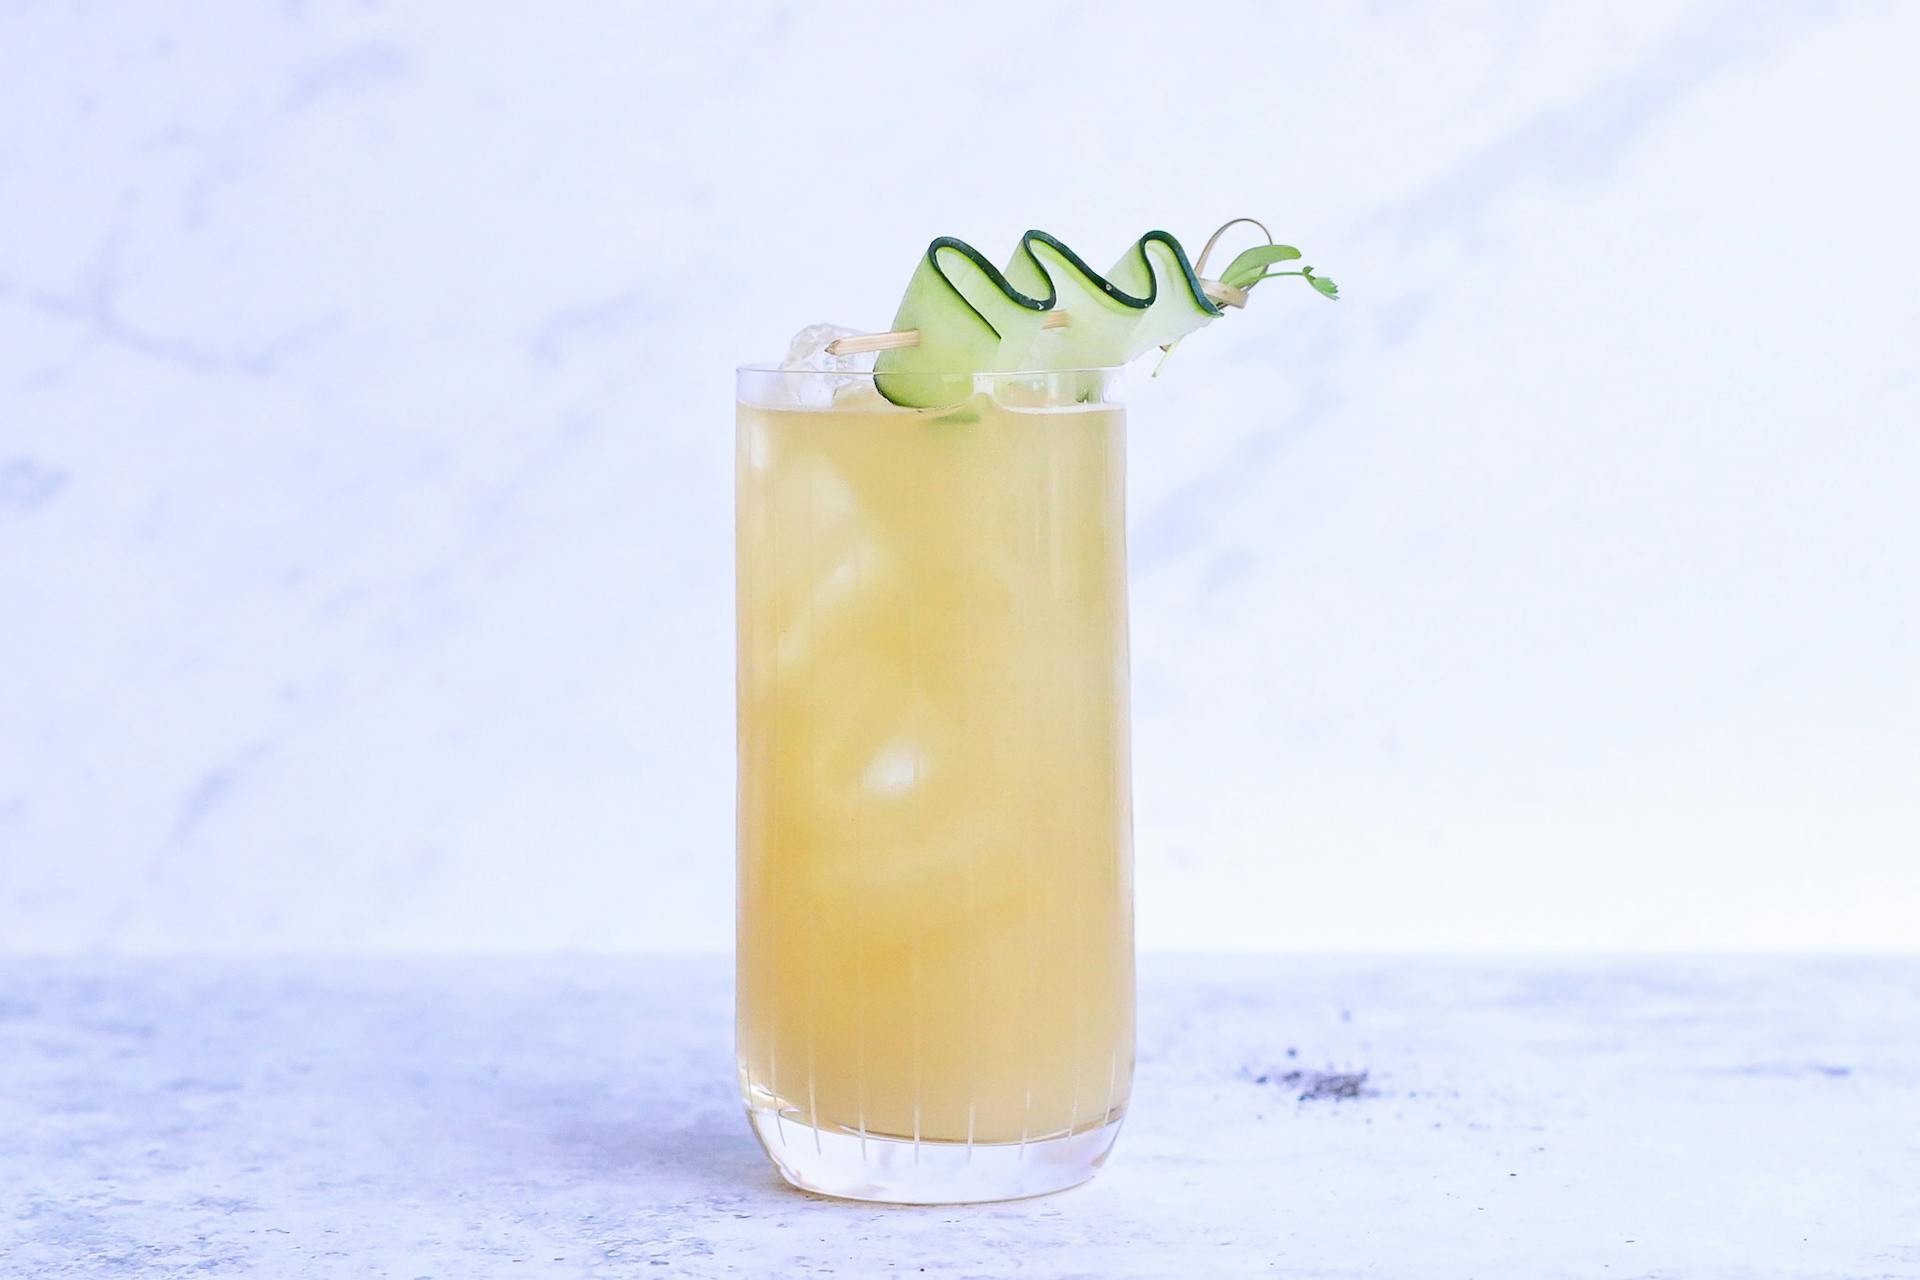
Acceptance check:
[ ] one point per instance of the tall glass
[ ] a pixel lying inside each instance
(935, 930)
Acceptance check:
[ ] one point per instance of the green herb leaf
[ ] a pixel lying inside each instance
(1327, 288)
(1246, 268)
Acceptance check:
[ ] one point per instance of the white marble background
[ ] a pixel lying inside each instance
(365, 426)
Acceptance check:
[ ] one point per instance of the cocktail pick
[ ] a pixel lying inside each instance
(1223, 294)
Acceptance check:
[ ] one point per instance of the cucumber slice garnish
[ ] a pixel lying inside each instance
(973, 318)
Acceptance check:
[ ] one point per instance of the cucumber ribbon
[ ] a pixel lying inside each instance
(974, 318)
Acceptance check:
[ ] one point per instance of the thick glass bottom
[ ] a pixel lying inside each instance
(855, 1166)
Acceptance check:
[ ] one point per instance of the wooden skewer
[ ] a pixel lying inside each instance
(1224, 294)
(874, 342)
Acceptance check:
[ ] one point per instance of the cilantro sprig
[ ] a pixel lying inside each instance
(1250, 268)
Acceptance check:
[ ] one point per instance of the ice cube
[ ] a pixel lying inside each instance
(858, 395)
(897, 768)
(818, 372)
(808, 350)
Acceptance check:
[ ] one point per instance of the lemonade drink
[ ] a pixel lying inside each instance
(935, 907)
(935, 957)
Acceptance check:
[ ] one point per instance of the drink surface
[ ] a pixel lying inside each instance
(935, 910)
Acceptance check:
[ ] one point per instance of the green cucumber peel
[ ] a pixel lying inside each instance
(972, 317)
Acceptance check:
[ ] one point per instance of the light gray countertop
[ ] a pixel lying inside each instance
(531, 1118)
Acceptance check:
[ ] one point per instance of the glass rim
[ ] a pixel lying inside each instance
(931, 373)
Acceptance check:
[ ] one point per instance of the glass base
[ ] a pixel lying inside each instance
(852, 1166)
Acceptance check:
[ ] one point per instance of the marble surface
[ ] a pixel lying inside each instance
(365, 429)
(569, 1118)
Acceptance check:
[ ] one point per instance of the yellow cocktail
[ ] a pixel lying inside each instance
(935, 910)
